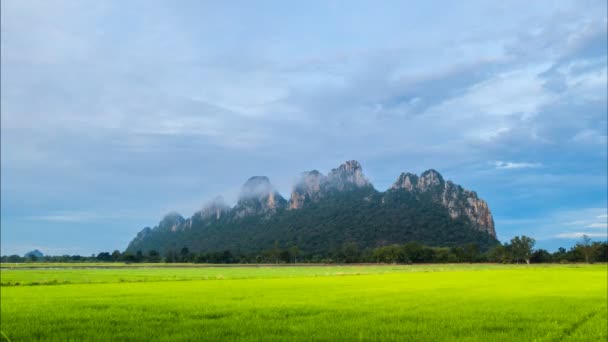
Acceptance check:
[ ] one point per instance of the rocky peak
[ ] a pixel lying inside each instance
(256, 186)
(461, 202)
(216, 209)
(347, 175)
(258, 196)
(171, 221)
(407, 181)
(430, 179)
(458, 201)
(308, 188)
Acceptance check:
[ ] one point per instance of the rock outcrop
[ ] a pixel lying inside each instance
(257, 197)
(459, 202)
(215, 210)
(347, 175)
(313, 185)
(308, 188)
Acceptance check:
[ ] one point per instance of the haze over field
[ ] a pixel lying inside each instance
(115, 113)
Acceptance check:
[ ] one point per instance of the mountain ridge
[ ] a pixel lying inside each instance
(320, 214)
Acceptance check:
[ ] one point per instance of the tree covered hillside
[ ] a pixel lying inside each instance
(326, 212)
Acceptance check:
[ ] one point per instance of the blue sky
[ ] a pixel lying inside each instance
(117, 112)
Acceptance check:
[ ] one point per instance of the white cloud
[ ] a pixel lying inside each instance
(560, 224)
(74, 216)
(142, 118)
(575, 235)
(515, 165)
(598, 225)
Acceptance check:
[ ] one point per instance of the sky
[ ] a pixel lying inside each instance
(114, 113)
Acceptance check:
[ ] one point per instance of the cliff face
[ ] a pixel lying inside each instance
(308, 188)
(425, 208)
(313, 185)
(458, 201)
(347, 176)
(215, 210)
(257, 197)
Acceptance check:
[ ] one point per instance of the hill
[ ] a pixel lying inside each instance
(325, 212)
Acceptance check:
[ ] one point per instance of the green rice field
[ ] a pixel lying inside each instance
(304, 303)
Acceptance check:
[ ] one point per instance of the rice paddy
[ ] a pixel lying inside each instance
(304, 303)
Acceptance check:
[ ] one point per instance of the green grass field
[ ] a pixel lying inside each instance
(417, 303)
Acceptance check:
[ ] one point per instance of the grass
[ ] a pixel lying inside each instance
(49, 274)
(417, 303)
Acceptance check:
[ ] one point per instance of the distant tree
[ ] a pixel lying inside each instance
(389, 254)
(139, 256)
(412, 252)
(153, 256)
(128, 257)
(227, 257)
(293, 252)
(561, 255)
(104, 256)
(522, 248)
(171, 256)
(541, 256)
(498, 254)
(457, 253)
(575, 254)
(15, 258)
(116, 255)
(470, 252)
(600, 251)
(276, 252)
(284, 256)
(183, 254)
(350, 252)
(585, 247)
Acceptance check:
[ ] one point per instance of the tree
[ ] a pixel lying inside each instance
(561, 255)
(116, 255)
(276, 252)
(585, 247)
(104, 256)
(293, 251)
(139, 256)
(412, 252)
(522, 248)
(500, 253)
(15, 258)
(171, 256)
(600, 251)
(227, 257)
(389, 254)
(470, 252)
(184, 254)
(153, 256)
(541, 255)
(350, 252)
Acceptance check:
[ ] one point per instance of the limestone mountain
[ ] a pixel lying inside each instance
(257, 197)
(458, 201)
(313, 185)
(325, 212)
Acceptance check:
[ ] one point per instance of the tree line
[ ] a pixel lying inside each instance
(520, 249)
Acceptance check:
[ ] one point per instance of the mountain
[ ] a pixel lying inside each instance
(324, 212)
(35, 253)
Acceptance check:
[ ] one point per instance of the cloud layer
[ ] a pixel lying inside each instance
(148, 107)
